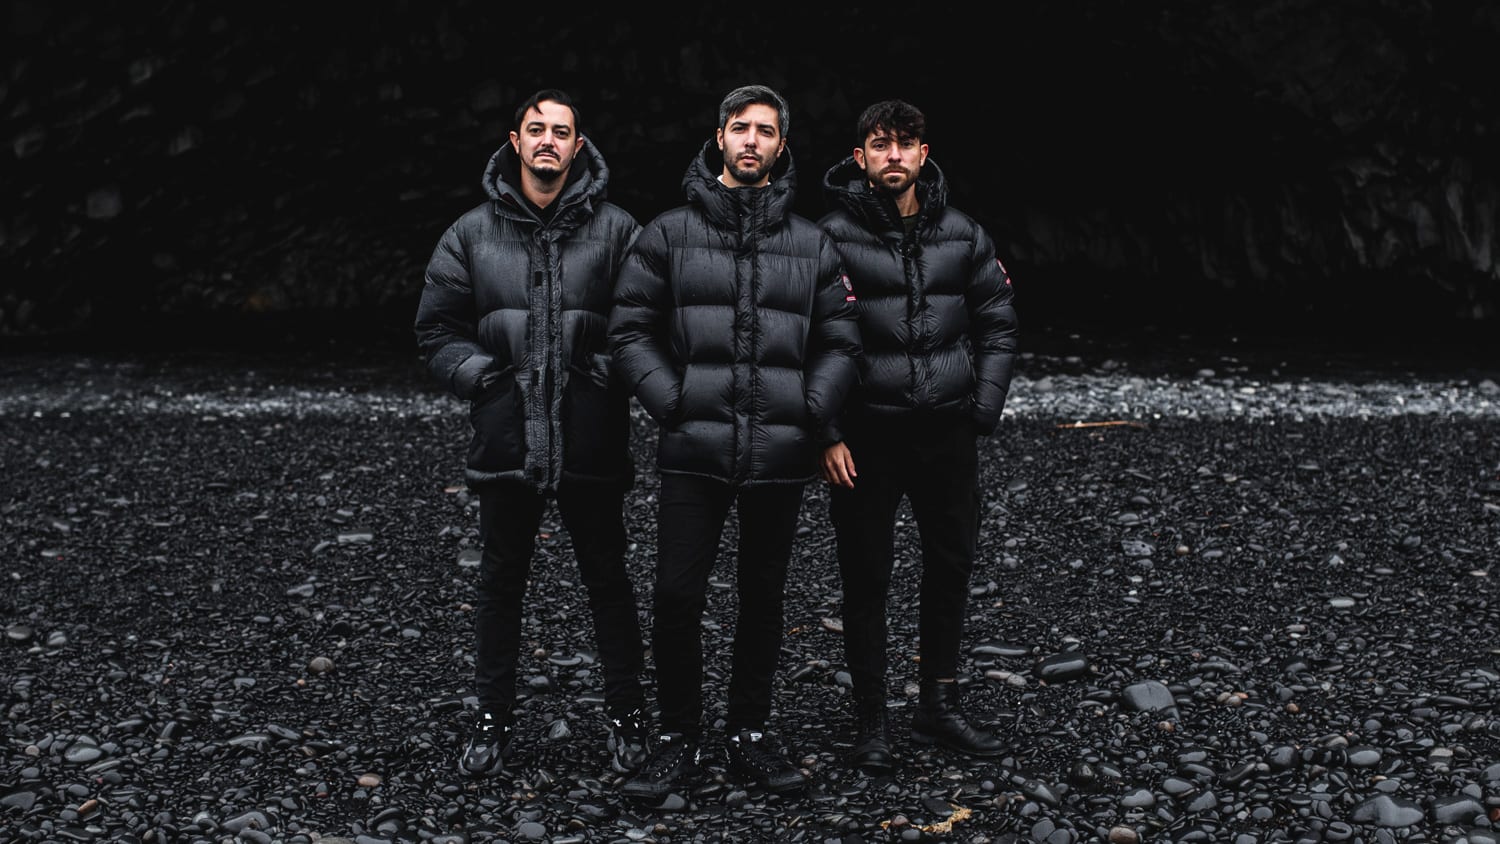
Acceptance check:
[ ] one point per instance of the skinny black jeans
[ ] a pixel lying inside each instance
(593, 515)
(691, 515)
(934, 464)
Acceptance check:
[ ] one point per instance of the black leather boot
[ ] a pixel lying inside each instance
(872, 743)
(939, 720)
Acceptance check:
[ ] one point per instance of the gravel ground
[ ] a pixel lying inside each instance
(1218, 599)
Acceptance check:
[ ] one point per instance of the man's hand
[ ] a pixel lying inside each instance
(838, 466)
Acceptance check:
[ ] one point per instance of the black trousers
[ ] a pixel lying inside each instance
(692, 513)
(934, 464)
(593, 515)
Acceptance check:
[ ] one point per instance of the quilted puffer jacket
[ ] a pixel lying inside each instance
(734, 328)
(935, 306)
(513, 317)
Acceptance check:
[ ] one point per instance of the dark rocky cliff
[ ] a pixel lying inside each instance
(1180, 163)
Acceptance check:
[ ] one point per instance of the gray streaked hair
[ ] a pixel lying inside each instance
(745, 96)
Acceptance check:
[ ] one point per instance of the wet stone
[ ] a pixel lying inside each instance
(1202, 802)
(1003, 649)
(1387, 811)
(82, 753)
(1149, 696)
(248, 820)
(21, 800)
(1457, 809)
(1059, 668)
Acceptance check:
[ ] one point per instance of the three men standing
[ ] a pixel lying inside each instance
(512, 319)
(736, 331)
(938, 330)
(734, 322)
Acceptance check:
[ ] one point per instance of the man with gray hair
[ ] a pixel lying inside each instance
(735, 328)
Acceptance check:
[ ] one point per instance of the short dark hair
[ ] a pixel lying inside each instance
(745, 96)
(898, 117)
(554, 95)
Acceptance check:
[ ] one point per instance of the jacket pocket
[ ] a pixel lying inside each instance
(498, 417)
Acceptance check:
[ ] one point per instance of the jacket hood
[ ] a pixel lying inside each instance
(846, 187)
(722, 204)
(588, 178)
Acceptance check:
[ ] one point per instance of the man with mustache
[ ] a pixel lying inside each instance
(939, 333)
(512, 319)
(734, 327)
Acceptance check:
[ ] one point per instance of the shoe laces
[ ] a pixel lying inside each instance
(669, 752)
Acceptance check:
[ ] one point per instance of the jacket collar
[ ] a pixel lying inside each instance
(845, 186)
(588, 180)
(722, 205)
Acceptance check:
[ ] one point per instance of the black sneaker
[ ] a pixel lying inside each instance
(755, 756)
(672, 765)
(627, 742)
(489, 744)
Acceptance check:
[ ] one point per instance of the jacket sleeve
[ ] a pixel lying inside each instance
(992, 318)
(639, 327)
(835, 347)
(447, 322)
(602, 367)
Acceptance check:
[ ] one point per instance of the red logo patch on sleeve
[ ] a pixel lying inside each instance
(844, 277)
(1003, 271)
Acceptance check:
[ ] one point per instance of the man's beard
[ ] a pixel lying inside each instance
(881, 183)
(750, 176)
(546, 169)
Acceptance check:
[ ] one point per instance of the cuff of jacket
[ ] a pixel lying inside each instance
(829, 434)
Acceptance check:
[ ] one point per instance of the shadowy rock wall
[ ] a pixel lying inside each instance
(1173, 163)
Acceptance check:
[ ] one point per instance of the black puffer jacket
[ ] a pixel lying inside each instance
(935, 312)
(513, 317)
(732, 326)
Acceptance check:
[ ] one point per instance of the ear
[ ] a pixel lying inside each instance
(719, 136)
(859, 157)
(923, 148)
(515, 142)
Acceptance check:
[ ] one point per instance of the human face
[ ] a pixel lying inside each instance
(548, 141)
(751, 142)
(891, 163)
